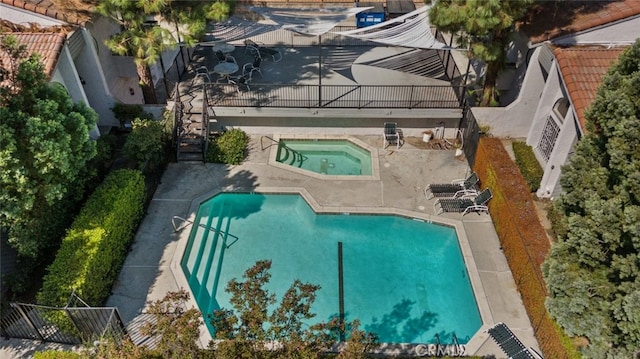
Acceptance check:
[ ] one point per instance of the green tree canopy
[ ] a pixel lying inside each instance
(44, 151)
(484, 27)
(245, 330)
(593, 271)
(145, 42)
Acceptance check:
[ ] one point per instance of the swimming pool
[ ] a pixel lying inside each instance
(329, 157)
(404, 279)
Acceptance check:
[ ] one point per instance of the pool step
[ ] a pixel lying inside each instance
(296, 157)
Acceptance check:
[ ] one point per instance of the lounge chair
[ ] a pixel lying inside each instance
(390, 134)
(464, 204)
(450, 189)
(260, 50)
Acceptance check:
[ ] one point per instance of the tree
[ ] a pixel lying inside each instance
(174, 328)
(484, 27)
(593, 270)
(146, 42)
(247, 331)
(147, 142)
(44, 153)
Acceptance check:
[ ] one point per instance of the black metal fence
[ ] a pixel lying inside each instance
(471, 131)
(72, 325)
(335, 96)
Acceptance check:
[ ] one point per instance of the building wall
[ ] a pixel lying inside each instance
(119, 72)
(553, 91)
(24, 17)
(95, 83)
(515, 120)
(625, 31)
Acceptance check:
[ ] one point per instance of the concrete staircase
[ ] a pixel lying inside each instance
(191, 139)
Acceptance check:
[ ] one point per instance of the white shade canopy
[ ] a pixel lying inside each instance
(409, 30)
(311, 21)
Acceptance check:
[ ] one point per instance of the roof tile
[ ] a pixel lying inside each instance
(582, 69)
(48, 8)
(565, 17)
(47, 45)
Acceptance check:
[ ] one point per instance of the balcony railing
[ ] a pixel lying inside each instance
(335, 96)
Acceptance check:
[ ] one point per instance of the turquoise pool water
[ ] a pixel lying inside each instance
(329, 157)
(404, 279)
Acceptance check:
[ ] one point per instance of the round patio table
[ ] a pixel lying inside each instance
(224, 48)
(226, 68)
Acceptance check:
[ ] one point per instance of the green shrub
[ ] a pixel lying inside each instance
(56, 354)
(528, 165)
(523, 240)
(96, 245)
(558, 221)
(127, 113)
(146, 143)
(229, 148)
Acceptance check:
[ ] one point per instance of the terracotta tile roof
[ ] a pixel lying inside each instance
(47, 45)
(50, 9)
(549, 20)
(582, 69)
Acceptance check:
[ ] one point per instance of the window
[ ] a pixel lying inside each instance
(548, 138)
(560, 109)
(552, 128)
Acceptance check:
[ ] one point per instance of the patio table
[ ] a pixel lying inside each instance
(226, 68)
(224, 48)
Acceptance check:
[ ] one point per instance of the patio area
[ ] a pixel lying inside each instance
(351, 82)
(152, 267)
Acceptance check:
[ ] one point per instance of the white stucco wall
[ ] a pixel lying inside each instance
(626, 32)
(65, 73)
(24, 17)
(515, 120)
(96, 89)
(554, 90)
(113, 66)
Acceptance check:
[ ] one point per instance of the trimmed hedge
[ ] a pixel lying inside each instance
(230, 148)
(528, 164)
(95, 247)
(523, 240)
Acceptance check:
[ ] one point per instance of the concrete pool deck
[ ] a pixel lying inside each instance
(151, 269)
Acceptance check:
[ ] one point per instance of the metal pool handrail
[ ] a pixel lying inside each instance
(262, 145)
(188, 222)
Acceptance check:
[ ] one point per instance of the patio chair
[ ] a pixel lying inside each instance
(464, 204)
(390, 134)
(260, 50)
(202, 72)
(469, 184)
(224, 58)
(251, 67)
(242, 83)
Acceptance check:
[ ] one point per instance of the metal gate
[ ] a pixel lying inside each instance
(69, 325)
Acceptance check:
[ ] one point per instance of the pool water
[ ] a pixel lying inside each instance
(404, 279)
(329, 157)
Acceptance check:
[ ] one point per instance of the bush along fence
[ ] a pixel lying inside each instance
(96, 245)
(523, 240)
(528, 164)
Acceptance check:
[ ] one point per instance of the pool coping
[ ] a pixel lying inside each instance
(472, 346)
(375, 164)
